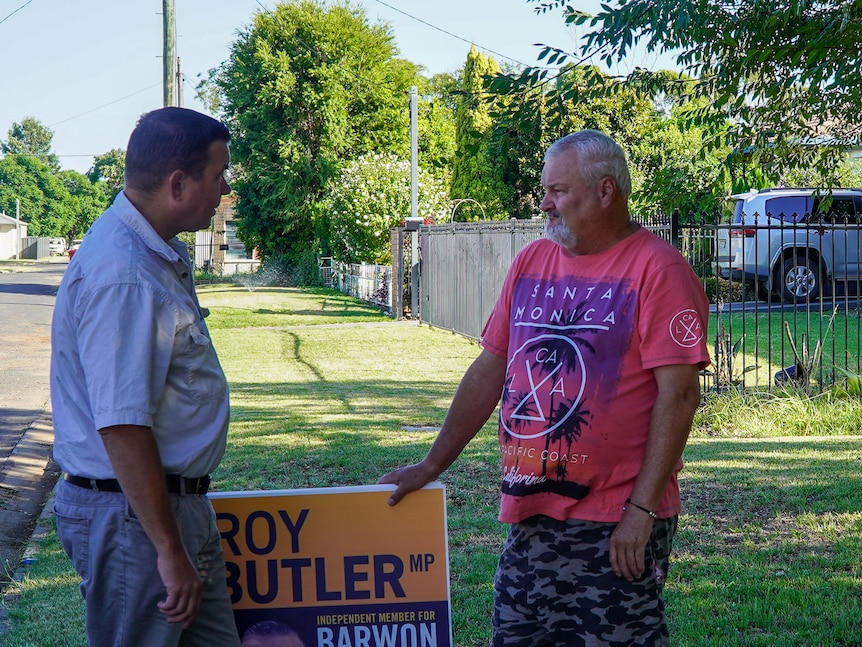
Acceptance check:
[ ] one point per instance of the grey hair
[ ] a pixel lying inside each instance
(600, 156)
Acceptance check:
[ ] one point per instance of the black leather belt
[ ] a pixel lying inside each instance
(176, 484)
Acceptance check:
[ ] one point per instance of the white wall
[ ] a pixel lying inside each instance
(8, 248)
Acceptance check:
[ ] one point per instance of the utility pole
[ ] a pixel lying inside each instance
(179, 82)
(17, 229)
(414, 201)
(414, 152)
(169, 67)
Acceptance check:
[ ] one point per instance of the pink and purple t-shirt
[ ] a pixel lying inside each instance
(581, 336)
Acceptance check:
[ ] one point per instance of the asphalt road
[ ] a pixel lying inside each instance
(27, 474)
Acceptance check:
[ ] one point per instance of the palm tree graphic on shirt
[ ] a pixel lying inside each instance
(551, 369)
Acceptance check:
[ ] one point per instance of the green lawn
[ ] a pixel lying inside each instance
(764, 346)
(240, 307)
(767, 549)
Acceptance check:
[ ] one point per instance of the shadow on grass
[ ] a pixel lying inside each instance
(775, 475)
(767, 552)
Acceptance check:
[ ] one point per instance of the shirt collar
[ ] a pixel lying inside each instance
(135, 220)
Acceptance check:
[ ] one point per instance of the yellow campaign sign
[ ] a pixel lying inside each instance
(338, 567)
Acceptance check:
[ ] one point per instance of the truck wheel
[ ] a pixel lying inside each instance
(801, 280)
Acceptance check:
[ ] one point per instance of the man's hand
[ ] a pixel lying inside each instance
(628, 544)
(184, 588)
(474, 402)
(677, 398)
(135, 458)
(408, 479)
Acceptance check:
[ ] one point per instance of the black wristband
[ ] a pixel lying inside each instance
(639, 507)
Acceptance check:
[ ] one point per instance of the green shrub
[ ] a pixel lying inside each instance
(726, 291)
(207, 277)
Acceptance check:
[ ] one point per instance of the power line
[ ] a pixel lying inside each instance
(449, 33)
(16, 11)
(577, 61)
(105, 105)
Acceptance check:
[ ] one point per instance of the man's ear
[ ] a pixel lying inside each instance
(177, 182)
(607, 188)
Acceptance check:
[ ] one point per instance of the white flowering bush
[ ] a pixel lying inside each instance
(371, 197)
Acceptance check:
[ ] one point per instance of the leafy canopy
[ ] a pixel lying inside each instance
(52, 202)
(477, 172)
(109, 170)
(45, 202)
(88, 201)
(781, 79)
(532, 110)
(31, 137)
(307, 88)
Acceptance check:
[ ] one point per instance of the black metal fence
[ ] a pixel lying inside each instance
(785, 293)
(770, 327)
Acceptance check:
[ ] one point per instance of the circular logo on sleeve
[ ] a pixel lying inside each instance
(685, 328)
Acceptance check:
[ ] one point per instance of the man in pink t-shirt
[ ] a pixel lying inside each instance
(595, 344)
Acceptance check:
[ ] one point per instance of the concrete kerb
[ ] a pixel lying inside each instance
(27, 480)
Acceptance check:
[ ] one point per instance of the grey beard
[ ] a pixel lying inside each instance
(560, 234)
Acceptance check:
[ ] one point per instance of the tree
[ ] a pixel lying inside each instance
(849, 174)
(519, 152)
(528, 120)
(781, 79)
(307, 88)
(519, 144)
(46, 204)
(109, 169)
(370, 198)
(436, 123)
(88, 201)
(477, 172)
(52, 202)
(673, 175)
(30, 137)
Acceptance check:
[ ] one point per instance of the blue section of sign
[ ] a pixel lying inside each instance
(425, 624)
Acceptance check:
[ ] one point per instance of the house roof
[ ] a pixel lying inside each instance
(9, 220)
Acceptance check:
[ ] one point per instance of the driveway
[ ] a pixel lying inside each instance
(27, 474)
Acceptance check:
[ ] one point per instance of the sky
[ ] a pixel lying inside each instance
(87, 69)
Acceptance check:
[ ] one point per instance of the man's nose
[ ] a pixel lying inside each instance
(546, 204)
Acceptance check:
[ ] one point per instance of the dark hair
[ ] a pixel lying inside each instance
(170, 139)
(269, 628)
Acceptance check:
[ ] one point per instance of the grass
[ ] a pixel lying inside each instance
(246, 307)
(767, 553)
(43, 606)
(766, 345)
(767, 548)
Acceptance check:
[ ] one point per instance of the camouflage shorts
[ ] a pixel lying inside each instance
(555, 586)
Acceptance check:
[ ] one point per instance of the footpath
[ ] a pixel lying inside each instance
(27, 471)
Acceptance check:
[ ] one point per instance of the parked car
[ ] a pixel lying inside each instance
(57, 246)
(793, 243)
(74, 247)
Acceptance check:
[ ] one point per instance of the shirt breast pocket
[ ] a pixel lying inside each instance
(204, 376)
